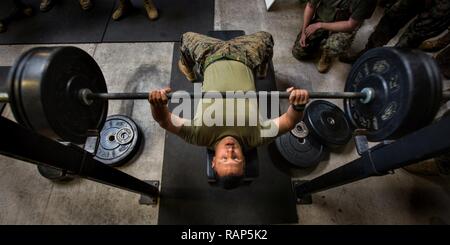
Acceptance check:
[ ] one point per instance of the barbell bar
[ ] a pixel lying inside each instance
(366, 95)
(86, 95)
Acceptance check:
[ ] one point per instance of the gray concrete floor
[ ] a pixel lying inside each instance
(28, 198)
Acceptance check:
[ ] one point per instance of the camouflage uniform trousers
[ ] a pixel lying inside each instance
(443, 60)
(429, 23)
(334, 44)
(255, 50)
(16, 11)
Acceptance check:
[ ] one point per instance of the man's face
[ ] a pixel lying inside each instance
(229, 159)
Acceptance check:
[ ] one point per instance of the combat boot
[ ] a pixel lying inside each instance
(2, 27)
(85, 4)
(27, 11)
(324, 63)
(150, 7)
(124, 8)
(46, 5)
(187, 72)
(437, 44)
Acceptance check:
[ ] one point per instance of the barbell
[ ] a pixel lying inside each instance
(60, 92)
(86, 95)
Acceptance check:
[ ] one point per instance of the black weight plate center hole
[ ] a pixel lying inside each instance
(108, 139)
(335, 125)
(300, 152)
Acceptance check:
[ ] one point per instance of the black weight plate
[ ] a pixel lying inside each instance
(44, 88)
(54, 174)
(432, 77)
(120, 140)
(298, 152)
(14, 94)
(327, 123)
(407, 89)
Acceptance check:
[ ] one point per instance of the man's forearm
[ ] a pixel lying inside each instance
(290, 119)
(307, 15)
(339, 26)
(161, 115)
(294, 116)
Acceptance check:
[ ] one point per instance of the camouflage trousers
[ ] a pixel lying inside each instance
(443, 60)
(254, 50)
(334, 44)
(430, 21)
(17, 8)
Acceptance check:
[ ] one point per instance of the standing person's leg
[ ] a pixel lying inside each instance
(437, 44)
(195, 49)
(335, 45)
(255, 50)
(386, 3)
(46, 5)
(427, 24)
(86, 4)
(152, 11)
(19, 10)
(394, 19)
(124, 8)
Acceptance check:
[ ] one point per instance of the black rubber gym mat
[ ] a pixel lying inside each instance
(66, 22)
(187, 198)
(175, 18)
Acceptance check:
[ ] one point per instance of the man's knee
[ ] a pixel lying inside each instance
(338, 43)
(189, 36)
(264, 37)
(300, 53)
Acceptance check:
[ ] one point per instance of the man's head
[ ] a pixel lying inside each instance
(229, 163)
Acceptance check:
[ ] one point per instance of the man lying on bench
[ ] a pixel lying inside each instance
(227, 66)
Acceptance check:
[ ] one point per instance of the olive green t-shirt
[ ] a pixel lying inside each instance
(218, 118)
(327, 10)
